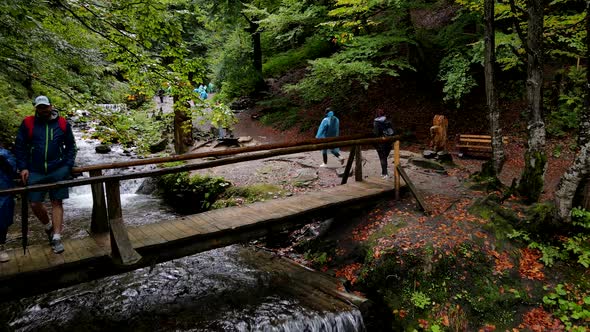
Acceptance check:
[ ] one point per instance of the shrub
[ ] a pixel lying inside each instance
(191, 194)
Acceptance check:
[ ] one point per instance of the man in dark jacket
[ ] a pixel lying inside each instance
(45, 152)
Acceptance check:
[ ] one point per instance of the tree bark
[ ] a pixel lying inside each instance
(578, 174)
(532, 179)
(254, 31)
(493, 111)
(183, 129)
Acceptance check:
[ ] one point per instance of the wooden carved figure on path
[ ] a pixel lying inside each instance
(438, 133)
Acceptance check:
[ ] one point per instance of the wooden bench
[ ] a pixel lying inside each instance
(481, 144)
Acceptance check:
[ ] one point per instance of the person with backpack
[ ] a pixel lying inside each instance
(45, 151)
(382, 127)
(7, 175)
(329, 127)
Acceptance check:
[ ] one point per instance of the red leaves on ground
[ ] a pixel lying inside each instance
(538, 320)
(530, 267)
(503, 261)
(349, 272)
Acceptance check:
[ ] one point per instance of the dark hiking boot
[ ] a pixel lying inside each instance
(49, 233)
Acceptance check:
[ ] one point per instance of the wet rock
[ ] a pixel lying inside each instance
(305, 177)
(444, 157)
(429, 154)
(147, 187)
(242, 103)
(426, 163)
(244, 139)
(102, 149)
(159, 146)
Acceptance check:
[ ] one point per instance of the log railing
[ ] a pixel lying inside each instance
(107, 212)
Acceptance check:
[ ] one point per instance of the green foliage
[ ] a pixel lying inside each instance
(579, 246)
(129, 128)
(13, 114)
(218, 114)
(550, 254)
(317, 258)
(581, 217)
(234, 69)
(565, 118)
(247, 194)
(279, 64)
(455, 72)
(190, 194)
(360, 63)
(420, 300)
(571, 305)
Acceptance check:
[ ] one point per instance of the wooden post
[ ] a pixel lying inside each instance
(121, 248)
(100, 220)
(349, 164)
(419, 199)
(396, 180)
(358, 168)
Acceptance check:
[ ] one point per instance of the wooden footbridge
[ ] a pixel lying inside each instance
(114, 248)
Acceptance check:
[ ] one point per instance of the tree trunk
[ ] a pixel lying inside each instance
(492, 101)
(578, 174)
(532, 179)
(183, 128)
(257, 52)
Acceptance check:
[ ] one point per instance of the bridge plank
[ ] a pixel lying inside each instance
(94, 248)
(207, 218)
(9, 267)
(81, 250)
(198, 226)
(52, 258)
(158, 228)
(171, 228)
(188, 230)
(147, 236)
(70, 254)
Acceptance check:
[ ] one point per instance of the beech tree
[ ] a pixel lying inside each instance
(576, 180)
(532, 178)
(492, 100)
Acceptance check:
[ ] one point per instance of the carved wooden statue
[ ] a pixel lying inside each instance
(438, 133)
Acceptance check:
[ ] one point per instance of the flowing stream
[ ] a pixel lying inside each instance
(218, 290)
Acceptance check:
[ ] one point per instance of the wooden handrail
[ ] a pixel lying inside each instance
(228, 152)
(225, 161)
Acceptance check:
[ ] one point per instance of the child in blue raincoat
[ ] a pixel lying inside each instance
(329, 127)
(7, 174)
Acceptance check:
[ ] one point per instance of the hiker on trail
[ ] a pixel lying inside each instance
(161, 94)
(45, 152)
(329, 127)
(7, 174)
(381, 128)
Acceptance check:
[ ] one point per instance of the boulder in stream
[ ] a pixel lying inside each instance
(102, 149)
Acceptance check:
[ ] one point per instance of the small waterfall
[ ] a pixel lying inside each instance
(137, 209)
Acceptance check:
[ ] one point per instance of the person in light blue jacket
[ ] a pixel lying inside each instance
(7, 175)
(329, 127)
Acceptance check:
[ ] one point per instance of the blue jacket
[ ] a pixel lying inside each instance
(329, 127)
(7, 174)
(48, 149)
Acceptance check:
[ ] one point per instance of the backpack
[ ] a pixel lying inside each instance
(30, 124)
(387, 128)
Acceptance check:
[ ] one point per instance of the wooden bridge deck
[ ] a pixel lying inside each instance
(89, 258)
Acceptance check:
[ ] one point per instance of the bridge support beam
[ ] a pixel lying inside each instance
(100, 220)
(358, 168)
(121, 249)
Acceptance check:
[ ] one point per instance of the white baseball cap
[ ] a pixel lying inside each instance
(41, 100)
